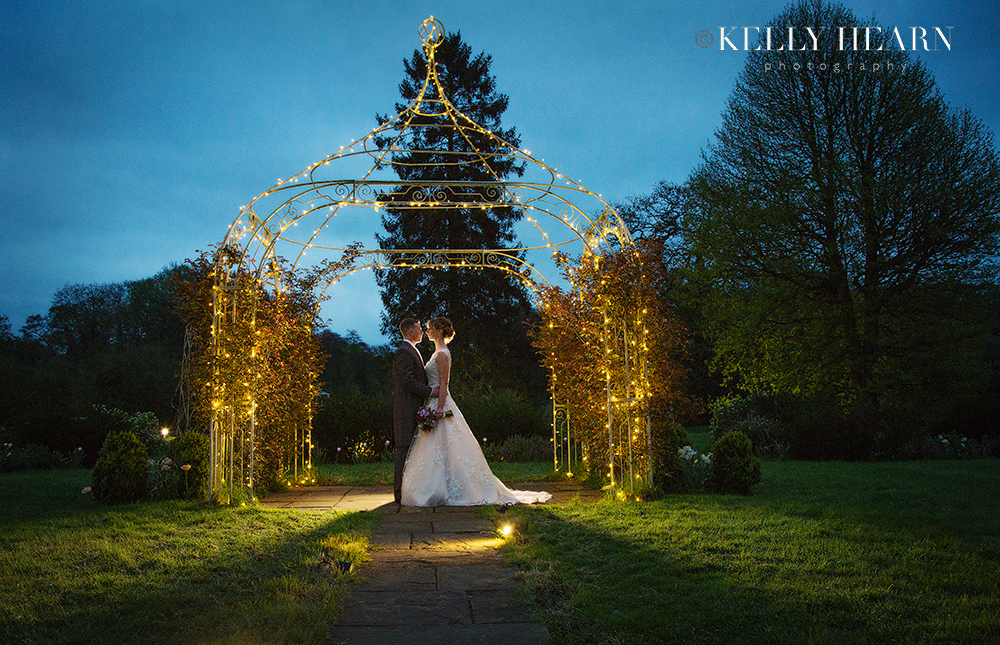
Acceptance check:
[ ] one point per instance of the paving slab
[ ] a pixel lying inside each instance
(414, 518)
(490, 606)
(390, 541)
(493, 634)
(404, 576)
(457, 543)
(412, 607)
(435, 575)
(435, 558)
(476, 577)
(463, 525)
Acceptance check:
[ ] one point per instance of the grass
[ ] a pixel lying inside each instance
(380, 473)
(72, 571)
(821, 553)
(701, 438)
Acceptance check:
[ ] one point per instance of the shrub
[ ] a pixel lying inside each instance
(756, 416)
(146, 429)
(697, 468)
(347, 419)
(90, 430)
(29, 457)
(119, 476)
(820, 427)
(367, 448)
(490, 450)
(668, 468)
(161, 478)
(191, 449)
(353, 426)
(532, 448)
(502, 413)
(183, 472)
(735, 469)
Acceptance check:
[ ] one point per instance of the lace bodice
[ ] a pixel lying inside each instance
(433, 378)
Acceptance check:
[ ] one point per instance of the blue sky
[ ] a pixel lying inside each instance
(132, 132)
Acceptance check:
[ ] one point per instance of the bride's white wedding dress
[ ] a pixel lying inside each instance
(446, 466)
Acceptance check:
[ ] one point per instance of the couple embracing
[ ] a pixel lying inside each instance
(444, 466)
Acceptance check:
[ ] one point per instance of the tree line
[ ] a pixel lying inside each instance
(103, 352)
(833, 261)
(119, 346)
(835, 253)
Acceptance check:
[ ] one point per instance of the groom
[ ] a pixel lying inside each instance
(409, 391)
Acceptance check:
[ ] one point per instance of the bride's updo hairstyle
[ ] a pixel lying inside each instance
(444, 326)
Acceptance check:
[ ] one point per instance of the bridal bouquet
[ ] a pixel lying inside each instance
(427, 418)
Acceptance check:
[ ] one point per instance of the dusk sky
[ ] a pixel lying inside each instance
(131, 133)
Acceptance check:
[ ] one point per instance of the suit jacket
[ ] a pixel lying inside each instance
(409, 391)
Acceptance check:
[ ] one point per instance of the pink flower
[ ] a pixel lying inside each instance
(85, 490)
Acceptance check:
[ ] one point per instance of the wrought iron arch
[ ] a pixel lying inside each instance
(565, 217)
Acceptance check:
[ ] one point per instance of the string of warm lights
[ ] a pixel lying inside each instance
(564, 213)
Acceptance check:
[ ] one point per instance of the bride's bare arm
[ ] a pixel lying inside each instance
(444, 371)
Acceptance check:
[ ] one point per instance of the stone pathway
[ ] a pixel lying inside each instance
(435, 575)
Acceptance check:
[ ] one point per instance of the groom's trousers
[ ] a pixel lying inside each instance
(397, 480)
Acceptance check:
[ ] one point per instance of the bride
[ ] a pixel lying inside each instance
(446, 466)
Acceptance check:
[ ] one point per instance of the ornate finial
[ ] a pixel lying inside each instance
(431, 32)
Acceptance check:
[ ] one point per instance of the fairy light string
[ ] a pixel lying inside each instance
(288, 235)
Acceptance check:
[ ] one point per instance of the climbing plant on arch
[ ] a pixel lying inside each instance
(285, 241)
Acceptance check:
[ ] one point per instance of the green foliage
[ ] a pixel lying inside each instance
(668, 468)
(524, 449)
(379, 473)
(146, 428)
(36, 457)
(367, 448)
(490, 307)
(575, 346)
(818, 427)
(90, 430)
(345, 417)
(118, 345)
(191, 449)
(119, 476)
(735, 469)
(352, 366)
(783, 426)
(753, 415)
(498, 414)
(853, 258)
(262, 368)
(353, 427)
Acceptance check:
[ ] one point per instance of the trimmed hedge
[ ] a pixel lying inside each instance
(735, 469)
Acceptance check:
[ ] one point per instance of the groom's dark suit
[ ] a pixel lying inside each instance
(409, 391)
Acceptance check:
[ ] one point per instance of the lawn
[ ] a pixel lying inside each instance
(822, 553)
(72, 571)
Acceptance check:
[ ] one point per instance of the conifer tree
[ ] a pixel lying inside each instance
(489, 307)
